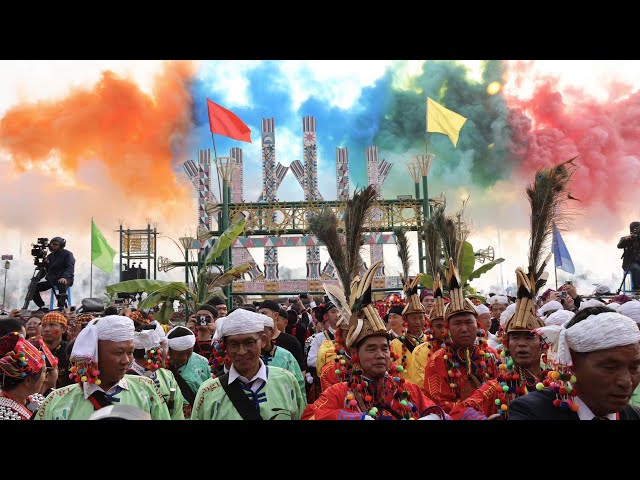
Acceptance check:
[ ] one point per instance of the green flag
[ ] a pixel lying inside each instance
(101, 252)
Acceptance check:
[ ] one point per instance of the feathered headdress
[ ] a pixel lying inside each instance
(524, 317)
(412, 297)
(458, 302)
(365, 319)
(547, 197)
(345, 255)
(403, 253)
(437, 311)
(433, 245)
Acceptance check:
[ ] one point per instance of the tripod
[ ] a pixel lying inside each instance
(38, 275)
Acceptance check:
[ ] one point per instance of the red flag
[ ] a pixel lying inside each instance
(226, 123)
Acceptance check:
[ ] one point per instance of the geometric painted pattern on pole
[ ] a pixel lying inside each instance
(269, 188)
(311, 192)
(376, 175)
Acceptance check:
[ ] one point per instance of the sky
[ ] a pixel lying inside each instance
(106, 139)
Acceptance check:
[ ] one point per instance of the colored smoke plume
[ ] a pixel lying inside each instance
(132, 134)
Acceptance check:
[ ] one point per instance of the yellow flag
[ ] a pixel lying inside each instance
(443, 120)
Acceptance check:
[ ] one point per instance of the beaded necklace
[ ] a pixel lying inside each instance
(219, 358)
(475, 361)
(514, 380)
(375, 398)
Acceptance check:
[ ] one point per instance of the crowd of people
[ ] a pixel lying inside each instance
(424, 355)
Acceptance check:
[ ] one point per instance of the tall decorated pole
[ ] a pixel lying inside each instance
(311, 192)
(377, 172)
(269, 190)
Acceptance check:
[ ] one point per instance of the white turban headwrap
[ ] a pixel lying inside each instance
(547, 307)
(115, 328)
(148, 339)
(631, 309)
(498, 299)
(559, 317)
(268, 321)
(614, 305)
(183, 343)
(482, 309)
(590, 303)
(596, 332)
(242, 322)
(507, 314)
(216, 335)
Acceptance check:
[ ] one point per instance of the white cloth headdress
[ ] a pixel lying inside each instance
(591, 303)
(180, 344)
(216, 336)
(559, 317)
(596, 332)
(549, 306)
(614, 305)
(501, 299)
(268, 321)
(631, 309)
(507, 314)
(482, 309)
(115, 328)
(242, 322)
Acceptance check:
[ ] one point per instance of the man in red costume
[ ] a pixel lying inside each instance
(372, 389)
(457, 370)
(520, 372)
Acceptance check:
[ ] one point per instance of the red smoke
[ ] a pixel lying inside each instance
(554, 126)
(133, 134)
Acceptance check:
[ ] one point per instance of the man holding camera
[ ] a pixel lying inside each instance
(631, 255)
(59, 267)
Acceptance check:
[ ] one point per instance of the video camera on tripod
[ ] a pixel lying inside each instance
(40, 251)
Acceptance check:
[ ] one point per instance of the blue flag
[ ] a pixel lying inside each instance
(560, 253)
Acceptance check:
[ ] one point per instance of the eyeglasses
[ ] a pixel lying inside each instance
(248, 345)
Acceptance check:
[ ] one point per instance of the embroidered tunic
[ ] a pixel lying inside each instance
(277, 399)
(69, 403)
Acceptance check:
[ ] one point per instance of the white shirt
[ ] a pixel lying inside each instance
(258, 379)
(89, 388)
(312, 356)
(585, 413)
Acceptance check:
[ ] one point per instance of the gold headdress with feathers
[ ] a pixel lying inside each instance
(524, 317)
(437, 311)
(458, 304)
(547, 197)
(412, 297)
(363, 318)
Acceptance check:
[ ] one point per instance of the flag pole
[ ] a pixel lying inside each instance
(555, 269)
(215, 155)
(91, 267)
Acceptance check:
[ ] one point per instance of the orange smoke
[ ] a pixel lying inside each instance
(134, 135)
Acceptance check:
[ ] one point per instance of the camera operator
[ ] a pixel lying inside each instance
(59, 267)
(631, 255)
(205, 319)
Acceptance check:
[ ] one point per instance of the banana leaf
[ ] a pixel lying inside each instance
(484, 269)
(426, 280)
(135, 286)
(467, 262)
(225, 240)
(168, 293)
(223, 279)
(164, 314)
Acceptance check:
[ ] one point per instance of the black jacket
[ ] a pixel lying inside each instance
(539, 406)
(60, 264)
(631, 250)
